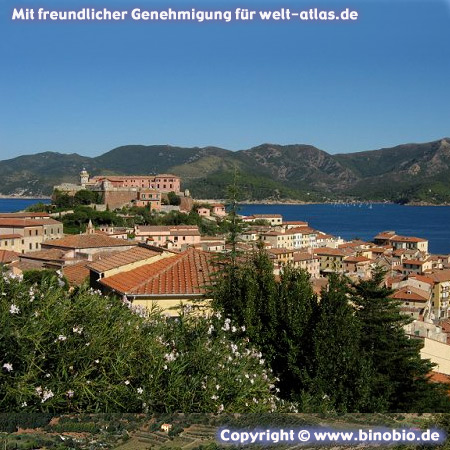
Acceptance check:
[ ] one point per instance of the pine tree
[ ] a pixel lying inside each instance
(400, 375)
(342, 374)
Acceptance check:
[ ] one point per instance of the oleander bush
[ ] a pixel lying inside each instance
(80, 351)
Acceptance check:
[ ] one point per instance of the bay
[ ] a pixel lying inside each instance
(19, 204)
(365, 221)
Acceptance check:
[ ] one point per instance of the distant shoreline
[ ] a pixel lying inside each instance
(20, 197)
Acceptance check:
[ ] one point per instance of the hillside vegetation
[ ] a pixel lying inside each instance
(406, 173)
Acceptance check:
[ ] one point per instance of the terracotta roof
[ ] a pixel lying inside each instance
(122, 259)
(10, 236)
(182, 274)
(356, 259)
(436, 377)
(23, 215)
(440, 275)
(407, 239)
(53, 254)
(304, 256)
(87, 241)
(329, 251)
(422, 278)
(22, 223)
(76, 274)
(7, 257)
(414, 262)
(410, 293)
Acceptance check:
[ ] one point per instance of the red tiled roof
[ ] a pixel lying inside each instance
(182, 274)
(329, 251)
(7, 257)
(407, 239)
(53, 254)
(422, 278)
(123, 258)
(440, 275)
(356, 259)
(23, 215)
(76, 274)
(304, 256)
(87, 241)
(409, 293)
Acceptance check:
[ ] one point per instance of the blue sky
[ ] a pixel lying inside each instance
(343, 87)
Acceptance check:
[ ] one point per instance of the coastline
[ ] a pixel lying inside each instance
(20, 197)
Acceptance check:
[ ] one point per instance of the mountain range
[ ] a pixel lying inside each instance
(405, 173)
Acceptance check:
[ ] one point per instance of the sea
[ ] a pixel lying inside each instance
(364, 221)
(349, 221)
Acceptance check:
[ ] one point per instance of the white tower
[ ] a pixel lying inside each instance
(84, 177)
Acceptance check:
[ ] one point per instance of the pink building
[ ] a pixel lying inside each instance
(150, 198)
(204, 212)
(218, 209)
(176, 236)
(163, 183)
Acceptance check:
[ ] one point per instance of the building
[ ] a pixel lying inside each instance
(401, 242)
(27, 235)
(170, 236)
(118, 191)
(331, 259)
(179, 279)
(148, 198)
(218, 209)
(309, 262)
(272, 219)
(85, 246)
(204, 211)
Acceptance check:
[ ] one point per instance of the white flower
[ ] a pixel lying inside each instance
(233, 329)
(220, 409)
(214, 397)
(38, 390)
(127, 382)
(61, 337)
(243, 328)
(210, 329)
(47, 375)
(46, 395)
(70, 393)
(8, 367)
(77, 329)
(217, 386)
(97, 361)
(140, 390)
(14, 309)
(24, 404)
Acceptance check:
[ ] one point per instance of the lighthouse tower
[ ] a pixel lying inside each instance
(84, 177)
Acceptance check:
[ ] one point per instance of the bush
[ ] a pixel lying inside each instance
(80, 351)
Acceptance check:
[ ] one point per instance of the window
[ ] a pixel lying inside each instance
(31, 246)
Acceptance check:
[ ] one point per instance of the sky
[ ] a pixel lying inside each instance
(86, 88)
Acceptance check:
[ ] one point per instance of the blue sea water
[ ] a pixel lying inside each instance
(364, 222)
(18, 204)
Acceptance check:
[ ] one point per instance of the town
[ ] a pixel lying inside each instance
(172, 264)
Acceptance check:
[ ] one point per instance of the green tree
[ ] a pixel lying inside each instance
(85, 197)
(173, 199)
(400, 375)
(341, 373)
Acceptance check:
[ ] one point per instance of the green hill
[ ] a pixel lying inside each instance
(406, 173)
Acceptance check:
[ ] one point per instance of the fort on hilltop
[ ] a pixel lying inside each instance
(138, 190)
